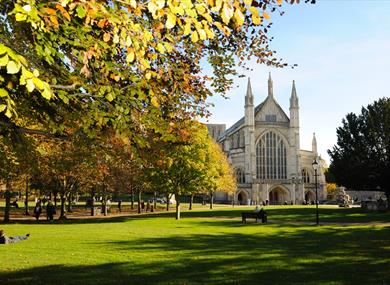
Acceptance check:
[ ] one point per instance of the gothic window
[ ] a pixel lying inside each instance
(240, 175)
(305, 176)
(271, 157)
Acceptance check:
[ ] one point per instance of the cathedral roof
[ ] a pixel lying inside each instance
(258, 109)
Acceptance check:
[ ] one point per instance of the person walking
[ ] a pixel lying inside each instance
(120, 206)
(50, 210)
(37, 210)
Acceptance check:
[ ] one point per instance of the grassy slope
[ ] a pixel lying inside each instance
(204, 247)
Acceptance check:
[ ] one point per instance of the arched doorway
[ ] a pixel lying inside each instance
(278, 196)
(310, 197)
(242, 197)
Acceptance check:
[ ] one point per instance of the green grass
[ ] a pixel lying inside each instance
(211, 247)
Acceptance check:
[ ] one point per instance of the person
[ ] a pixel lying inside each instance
(37, 210)
(147, 206)
(142, 205)
(120, 206)
(5, 240)
(15, 204)
(50, 210)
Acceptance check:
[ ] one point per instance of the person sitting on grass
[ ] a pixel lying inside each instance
(5, 240)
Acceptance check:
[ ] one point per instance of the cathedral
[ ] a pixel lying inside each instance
(263, 148)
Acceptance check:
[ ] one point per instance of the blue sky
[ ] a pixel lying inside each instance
(342, 49)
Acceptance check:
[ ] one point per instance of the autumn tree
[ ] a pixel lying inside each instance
(114, 63)
(219, 175)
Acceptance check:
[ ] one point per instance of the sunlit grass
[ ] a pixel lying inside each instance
(211, 247)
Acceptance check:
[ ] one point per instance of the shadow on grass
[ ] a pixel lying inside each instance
(278, 213)
(298, 256)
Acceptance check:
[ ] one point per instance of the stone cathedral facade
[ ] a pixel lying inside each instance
(263, 148)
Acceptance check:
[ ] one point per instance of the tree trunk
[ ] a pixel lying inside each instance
(154, 200)
(139, 201)
(7, 208)
(191, 201)
(63, 202)
(211, 200)
(132, 198)
(70, 203)
(168, 200)
(26, 200)
(93, 204)
(105, 205)
(55, 199)
(177, 216)
(388, 199)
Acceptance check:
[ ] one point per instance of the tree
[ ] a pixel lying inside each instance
(219, 175)
(113, 63)
(361, 158)
(193, 165)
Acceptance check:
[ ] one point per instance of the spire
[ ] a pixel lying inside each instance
(294, 97)
(249, 94)
(314, 144)
(270, 87)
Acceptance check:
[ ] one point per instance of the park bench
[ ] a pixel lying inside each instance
(262, 215)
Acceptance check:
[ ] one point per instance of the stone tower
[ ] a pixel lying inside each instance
(295, 168)
(249, 133)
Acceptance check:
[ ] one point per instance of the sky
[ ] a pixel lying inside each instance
(342, 49)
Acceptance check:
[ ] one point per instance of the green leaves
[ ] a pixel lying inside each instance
(81, 13)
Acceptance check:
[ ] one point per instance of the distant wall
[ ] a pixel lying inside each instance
(366, 195)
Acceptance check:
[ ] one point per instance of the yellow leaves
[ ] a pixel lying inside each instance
(160, 48)
(30, 85)
(133, 4)
(20, 17)
(171, 21)
(248, 2)
(64, 13)
(239, 17)
(168, 47)
(13, 67)
(54, 20)
(148, 75)
(266, 15)
(194, 37)
(106, 37)
(152, 7)
(255, 16)
(187, 28)
(4, 60)
(130, 56)
(3, 93)
(202, 34)
(227, 13)
(279, 2)
(50, 11)
(102, 23)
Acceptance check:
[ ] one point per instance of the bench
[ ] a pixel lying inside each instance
(262, 215)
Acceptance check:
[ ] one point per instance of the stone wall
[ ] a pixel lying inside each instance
(358, 196)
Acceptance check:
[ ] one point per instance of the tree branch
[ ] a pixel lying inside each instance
(65, 87)
(31, 131)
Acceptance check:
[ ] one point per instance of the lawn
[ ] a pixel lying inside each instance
(211, 247)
